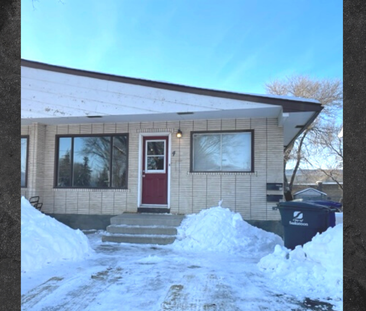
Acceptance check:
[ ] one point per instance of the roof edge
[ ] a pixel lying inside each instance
(288, 104)
(311, 120)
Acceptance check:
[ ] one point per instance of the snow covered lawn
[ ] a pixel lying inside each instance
(219, 262)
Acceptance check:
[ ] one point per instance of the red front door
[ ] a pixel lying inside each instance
(155, 170)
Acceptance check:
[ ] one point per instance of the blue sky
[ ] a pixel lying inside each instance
(227, 45)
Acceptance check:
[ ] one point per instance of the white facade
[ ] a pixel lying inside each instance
(58, 103)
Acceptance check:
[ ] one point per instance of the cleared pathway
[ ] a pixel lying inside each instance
(145, 277)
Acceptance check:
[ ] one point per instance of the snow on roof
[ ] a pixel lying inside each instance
(310, 190)
(285, 97)
(155, 83)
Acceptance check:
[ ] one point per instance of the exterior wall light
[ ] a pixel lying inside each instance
(179, 134)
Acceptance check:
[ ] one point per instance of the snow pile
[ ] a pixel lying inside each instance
(315, 268)
(222, 230)
(339, 218)
(44, 240)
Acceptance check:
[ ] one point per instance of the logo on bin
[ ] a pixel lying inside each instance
(298, 219)
(298, 215)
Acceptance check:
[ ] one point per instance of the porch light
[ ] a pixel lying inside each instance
(179, 134)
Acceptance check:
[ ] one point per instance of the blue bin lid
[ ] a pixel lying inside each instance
(302, 205)
(327, 203)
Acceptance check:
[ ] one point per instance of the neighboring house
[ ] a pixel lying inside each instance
(96, 145)
(316, 179)
(310, 194)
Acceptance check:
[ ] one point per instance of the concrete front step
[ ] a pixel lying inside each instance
(139, 239)
(125, 229)
(147, 219)
(143, 228)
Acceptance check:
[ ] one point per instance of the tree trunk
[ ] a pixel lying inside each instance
(298, 160)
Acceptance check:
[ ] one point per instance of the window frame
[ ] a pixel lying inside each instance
(72, 136)
(26, 161)
(163, 171)
(220, 133)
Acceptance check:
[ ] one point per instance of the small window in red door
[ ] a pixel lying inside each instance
(155, 156)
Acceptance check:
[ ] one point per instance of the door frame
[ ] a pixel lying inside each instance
(140, 163)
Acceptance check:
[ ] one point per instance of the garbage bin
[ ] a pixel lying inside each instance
(301, 221)
(333, 208)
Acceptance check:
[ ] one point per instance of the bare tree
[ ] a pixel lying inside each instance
(326, 152)
(330, 94)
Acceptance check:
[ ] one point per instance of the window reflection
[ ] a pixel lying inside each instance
(119, 163)
(222, 152)
(93, 162)
(155, 155)
(155, 163)
(236, 152)
(206, 152)
(64, 162)
(155, 147)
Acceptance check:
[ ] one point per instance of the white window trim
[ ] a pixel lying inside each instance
(163, 171)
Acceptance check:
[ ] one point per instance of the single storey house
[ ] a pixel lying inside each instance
(96, 145)
(310, 194)
(328, 182)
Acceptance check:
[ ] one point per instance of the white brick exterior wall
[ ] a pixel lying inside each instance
(189, 192)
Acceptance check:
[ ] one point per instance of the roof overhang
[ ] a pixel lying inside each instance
(58, 95)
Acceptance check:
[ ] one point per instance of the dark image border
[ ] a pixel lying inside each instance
(10, 154)
(354, 75)
(354, 163)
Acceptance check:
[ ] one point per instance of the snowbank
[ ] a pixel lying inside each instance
(339, 218)
(315, 269)
(222, 230)
(44, 240)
